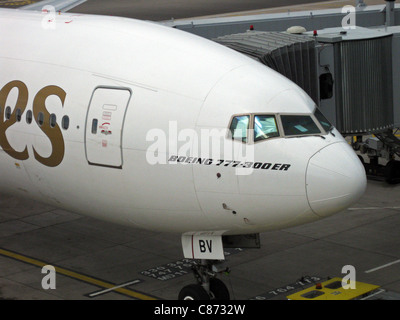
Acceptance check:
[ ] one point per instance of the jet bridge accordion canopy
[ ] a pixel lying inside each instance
(364, 85)
(293, 56)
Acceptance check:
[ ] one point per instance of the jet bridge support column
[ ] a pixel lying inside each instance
(390, 21)
(360, 3)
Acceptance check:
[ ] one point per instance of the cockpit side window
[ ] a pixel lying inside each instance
(265, 127)
(297, 125)
(322, 120)
(239, 128)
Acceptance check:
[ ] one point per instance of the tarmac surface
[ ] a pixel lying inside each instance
(158, 10)
(95, 260)
(91, 256)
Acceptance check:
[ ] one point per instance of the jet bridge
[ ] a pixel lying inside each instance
(294, 56)
(352, 75)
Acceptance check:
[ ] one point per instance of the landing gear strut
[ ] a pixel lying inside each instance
(209, 248)
(208, 287)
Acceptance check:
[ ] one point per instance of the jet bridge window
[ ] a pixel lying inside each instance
(239, 128)
(265, 127)
(298, 125)
(326, 86)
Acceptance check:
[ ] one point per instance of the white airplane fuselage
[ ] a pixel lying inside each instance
(98, 89)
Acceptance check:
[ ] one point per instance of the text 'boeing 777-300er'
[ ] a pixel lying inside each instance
(145, 125)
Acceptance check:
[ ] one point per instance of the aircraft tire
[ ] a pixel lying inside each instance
(193, 292)
(219, 289)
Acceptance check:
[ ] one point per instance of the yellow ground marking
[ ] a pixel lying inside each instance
(75, 275)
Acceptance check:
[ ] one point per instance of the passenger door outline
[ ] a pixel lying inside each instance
(103, 146)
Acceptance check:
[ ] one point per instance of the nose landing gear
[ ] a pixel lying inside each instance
(208, 248)
(208, 287)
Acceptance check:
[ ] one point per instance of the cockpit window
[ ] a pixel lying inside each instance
(239, 128)
(296, 125)
(265, 127)
(322, 120)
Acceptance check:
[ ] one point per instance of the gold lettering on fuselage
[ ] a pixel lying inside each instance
(22, 101)
(39, 106)
(54, 134)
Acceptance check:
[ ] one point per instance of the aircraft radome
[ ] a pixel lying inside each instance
(148, 126)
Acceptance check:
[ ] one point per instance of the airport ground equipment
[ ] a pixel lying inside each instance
(333, 289)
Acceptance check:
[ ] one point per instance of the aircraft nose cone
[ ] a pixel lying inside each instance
(335, 179)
